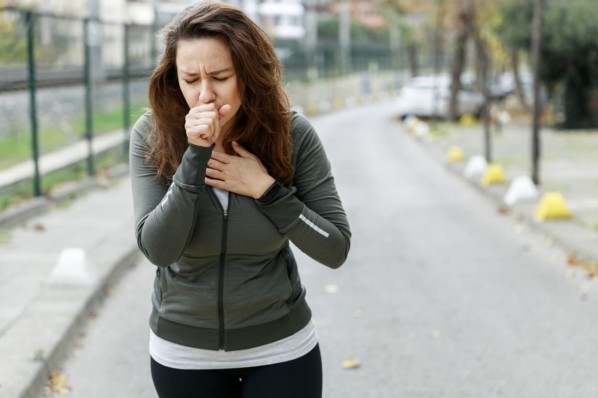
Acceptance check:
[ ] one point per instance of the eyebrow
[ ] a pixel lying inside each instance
(216, 72)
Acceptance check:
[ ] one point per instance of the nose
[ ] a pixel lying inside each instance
(206, 92)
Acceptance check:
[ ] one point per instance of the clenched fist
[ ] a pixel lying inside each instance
(202, 123)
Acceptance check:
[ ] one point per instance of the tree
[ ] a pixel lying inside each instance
(13, 46)
(570, 56)
(569, 52)
(537, 59)
(463, 31)
(515, 32)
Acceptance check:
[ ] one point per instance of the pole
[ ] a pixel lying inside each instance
(88, 95)
(30, 21)
(126, 89)
(436, 58)
(311, 40)
(536, 59)
(345, 35)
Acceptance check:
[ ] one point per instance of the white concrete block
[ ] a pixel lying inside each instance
(73, 268)
(522, 188)
(476, 167)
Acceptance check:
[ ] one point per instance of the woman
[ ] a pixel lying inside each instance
(224, 176)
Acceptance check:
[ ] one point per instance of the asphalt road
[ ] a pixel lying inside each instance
(442, 296)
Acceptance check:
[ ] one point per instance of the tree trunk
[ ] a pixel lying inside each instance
(517, 79)
(437, 56)
(536, 59)
(463, 30)
(483, 66)
(413, 60)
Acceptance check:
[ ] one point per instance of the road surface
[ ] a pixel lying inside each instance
(442, 295)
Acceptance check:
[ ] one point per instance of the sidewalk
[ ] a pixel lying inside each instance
(41, 316)
(568, 165)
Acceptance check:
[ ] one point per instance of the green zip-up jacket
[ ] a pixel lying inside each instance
(227, 278)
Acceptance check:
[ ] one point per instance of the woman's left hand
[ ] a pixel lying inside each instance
(243, 174)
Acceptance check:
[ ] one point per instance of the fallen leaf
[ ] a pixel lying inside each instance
(58, 383)
(590, 267)
(572, 259)
(39, 228)
(351, 363)
(503, 210)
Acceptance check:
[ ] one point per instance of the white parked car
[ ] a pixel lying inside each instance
(428, 96)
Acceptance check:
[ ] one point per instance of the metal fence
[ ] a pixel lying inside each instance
(67, 84)
(75, 85)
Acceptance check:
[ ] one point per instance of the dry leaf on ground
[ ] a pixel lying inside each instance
(58, 383)
(351, 363)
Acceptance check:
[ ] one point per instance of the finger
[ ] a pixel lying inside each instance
(224, 110)
(214, 182)
(221, 157)
(215, 165)
(197, 115)
(244, 153)
(205, 107)
(214, 174)
(201, 129)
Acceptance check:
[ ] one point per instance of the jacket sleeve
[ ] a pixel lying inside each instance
(310, 212)
(164, 216)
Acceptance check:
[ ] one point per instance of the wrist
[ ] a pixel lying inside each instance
(267, 185)
(271, 192)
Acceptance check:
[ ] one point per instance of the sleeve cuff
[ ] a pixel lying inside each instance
(191, 172)
(271, 193)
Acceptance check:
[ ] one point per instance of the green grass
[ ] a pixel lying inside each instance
(77, 172)
(18, 149)
(105, 121)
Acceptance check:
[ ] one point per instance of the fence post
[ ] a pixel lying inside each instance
(126, 89)
(30, 22)
(87, 34)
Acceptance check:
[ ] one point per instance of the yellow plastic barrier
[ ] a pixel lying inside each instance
(494, 175)
(455, 154)
(552, 207)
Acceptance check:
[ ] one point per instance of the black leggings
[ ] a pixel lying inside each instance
(299, 378)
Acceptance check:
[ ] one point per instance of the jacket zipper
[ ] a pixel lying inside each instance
(221, 269)
(221, 281)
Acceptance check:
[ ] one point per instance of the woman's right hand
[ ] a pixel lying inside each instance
(202, 123)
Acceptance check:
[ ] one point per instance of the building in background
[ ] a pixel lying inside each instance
(282, 19)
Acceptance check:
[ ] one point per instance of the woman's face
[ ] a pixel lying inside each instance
(206, 75)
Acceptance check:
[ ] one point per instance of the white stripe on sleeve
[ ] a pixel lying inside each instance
(313, 226)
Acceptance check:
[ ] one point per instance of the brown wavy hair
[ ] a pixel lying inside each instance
(263, 122)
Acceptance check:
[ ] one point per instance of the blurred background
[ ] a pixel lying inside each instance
(441, 297)
(75, 72)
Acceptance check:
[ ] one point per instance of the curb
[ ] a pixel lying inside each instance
(570, 235)
(40, 340)
(64, 313)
